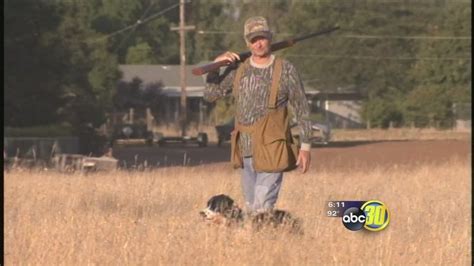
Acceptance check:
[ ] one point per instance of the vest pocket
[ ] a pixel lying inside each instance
(276, 153)
(235, 154)
(274, 127)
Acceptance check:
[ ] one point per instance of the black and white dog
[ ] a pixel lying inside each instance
(221, 209)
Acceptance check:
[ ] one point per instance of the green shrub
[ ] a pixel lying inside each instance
(40, 131)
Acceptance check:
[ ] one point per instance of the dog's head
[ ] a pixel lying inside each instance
(221, 209)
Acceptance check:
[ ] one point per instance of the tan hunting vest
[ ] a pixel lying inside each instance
(273, 147)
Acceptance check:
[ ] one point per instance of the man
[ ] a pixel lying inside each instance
(259, 121)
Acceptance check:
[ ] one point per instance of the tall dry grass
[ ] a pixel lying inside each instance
(151, 218)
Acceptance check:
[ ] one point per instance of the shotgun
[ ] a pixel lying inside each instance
(274, 47)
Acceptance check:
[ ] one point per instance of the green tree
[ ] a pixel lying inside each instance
(61, 63)
(132, 24)
(91, 71)
(103, 76)
(444, 79)
(32, 64)
(429, 106)
(135, 94)
(140, 54)
(224, 110)
(212, 20)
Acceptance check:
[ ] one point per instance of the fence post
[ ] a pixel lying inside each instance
(149, 119)
(130, 116)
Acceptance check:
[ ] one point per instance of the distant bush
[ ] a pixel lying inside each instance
(380, 112)
(317, 117)
(39, 131)
(224, 110)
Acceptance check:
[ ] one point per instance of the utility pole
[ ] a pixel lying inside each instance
(182, 45)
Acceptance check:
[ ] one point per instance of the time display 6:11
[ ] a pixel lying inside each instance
(336, 204)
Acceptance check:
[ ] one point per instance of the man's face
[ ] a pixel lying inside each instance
(259, 46)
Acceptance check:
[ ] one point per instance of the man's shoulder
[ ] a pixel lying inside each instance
(287, 65)
(283, 60)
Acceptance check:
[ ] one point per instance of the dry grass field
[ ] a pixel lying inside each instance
(347, 134)
(151, 217)
(398, 134)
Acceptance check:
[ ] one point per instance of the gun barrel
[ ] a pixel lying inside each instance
(322, 32)
(275, 47)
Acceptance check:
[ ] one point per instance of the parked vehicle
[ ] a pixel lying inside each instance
(324, 131)
(223, 132)
(132, 132)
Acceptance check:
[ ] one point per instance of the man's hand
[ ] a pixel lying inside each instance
(304, 160)
(227, 56)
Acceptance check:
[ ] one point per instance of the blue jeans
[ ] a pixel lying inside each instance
(260, 189)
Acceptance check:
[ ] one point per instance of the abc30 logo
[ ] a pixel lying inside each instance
(373, 216)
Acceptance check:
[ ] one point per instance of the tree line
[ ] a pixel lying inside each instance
(411, 60)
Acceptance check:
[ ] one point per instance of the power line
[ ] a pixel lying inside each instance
(357, 36)
(134, 28)
(216, 32)
(381, 57)
(365, 57)
(137, 23)
(406, 37)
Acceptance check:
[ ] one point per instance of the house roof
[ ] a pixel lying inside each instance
(168, 75)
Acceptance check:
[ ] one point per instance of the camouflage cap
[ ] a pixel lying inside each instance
(256, 26)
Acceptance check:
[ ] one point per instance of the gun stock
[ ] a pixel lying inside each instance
(201, 70)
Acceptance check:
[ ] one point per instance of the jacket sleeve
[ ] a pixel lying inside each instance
(219, 85)
(300, 107)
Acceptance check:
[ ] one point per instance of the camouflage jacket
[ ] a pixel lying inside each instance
(252, 98)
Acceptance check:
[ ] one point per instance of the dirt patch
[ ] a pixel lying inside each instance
(340, 155)
(350, 155)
